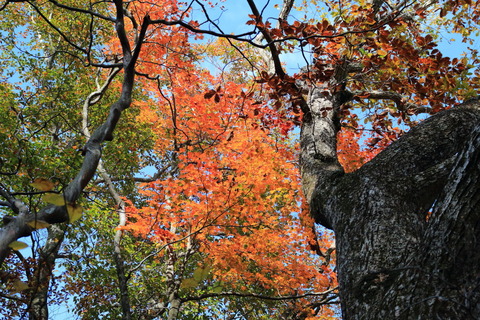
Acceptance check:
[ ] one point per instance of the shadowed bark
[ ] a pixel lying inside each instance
(392, 261)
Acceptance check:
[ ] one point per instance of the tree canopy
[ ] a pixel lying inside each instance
(160, 162)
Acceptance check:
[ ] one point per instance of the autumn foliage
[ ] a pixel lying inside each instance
(233, 192)
(204, 161)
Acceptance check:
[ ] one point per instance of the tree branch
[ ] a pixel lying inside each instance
(267, 57)
(76, 9)
(238, 37)
(399, 100)
(271, 44)
(260, 296)
(57, 29)
(17, 226)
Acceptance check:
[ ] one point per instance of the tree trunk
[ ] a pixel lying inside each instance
(394, 260)
(38, 309)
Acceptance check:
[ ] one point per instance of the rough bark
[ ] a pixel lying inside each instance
(393, 262)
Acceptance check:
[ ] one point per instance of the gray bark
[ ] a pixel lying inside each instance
(17, 227)
(124, 296)
(120, 204)
(393, 262)
(38, 309)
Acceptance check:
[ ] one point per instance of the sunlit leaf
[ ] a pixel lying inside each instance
(18, 245)
(38, 224)
(42, 184)
(382, 52)
(74, 212)
(54, 198)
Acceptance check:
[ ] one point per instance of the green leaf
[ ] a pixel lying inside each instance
(201, 274)
(54, 198)
(217, 289)
(18, 245)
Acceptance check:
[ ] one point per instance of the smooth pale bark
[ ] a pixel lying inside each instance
(122, 278)
(393, 262)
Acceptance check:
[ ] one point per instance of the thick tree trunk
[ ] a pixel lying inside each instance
(393, 262)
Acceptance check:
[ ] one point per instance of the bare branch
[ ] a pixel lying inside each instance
(238, 37)
(121, 33)
(155, 177)
(54, 27)
(267, 56)
(271, 44)
(75, 9)
(324, 294)
(399, 100)
(93, 98)
(8, 196)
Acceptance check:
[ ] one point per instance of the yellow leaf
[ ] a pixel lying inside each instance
(54, 198)
(19, 286)
(42, 184)
(382, 52)
(74, 212)
(38, 224)
(18, 245)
